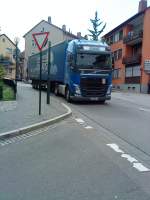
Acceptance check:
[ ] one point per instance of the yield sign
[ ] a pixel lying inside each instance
(40, 39)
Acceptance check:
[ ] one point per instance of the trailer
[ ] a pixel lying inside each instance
(80, 70)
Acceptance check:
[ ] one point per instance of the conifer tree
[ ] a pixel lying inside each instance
(95, 33)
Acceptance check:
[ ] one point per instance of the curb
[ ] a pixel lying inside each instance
(36, 126)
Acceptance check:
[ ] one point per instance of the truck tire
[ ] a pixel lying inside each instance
(56, 91)
(67, 95)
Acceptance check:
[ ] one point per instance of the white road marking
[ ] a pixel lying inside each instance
(129, 158)
(116, 148)
(144, 109)
(140, 167)
(88, 127)
(80, 121)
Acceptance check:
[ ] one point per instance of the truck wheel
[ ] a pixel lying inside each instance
(56, 92)
(67, 95)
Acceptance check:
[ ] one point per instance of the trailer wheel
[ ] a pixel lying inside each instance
(56, 91)
(67, 95)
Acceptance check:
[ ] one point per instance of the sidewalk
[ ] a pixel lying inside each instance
(135, 98)
(24, 111)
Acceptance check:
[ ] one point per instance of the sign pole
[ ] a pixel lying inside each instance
(40, 40)
(40, 82)
(48, 78)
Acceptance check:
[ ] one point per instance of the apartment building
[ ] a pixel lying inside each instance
(7, 49)
(56, 36)
(130, 44)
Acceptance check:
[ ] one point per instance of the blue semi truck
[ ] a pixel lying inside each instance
(80, 70)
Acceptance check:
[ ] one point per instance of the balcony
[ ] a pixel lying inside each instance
(136, 59)
(133, 38)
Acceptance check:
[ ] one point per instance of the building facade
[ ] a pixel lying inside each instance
(130, 44)
(56, 36)
(7, 59)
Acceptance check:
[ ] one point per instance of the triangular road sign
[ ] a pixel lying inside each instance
(40, 39)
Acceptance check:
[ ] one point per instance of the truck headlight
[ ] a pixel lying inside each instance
(77, 89)
(109, 90)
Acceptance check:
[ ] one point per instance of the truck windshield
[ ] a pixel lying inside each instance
(98, 61)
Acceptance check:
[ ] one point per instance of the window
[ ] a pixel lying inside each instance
(129, 72)
(136, 71)
(133, 71)
(116, 73)
(42, 29)
(118, 54)
(121, 35)
(33, 43)
(9, 71)
(3, 39)
(116, 37)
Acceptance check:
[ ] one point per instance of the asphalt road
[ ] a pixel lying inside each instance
(124, 116)
(94, 155)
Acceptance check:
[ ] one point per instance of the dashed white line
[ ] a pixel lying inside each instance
(115, 147)
(140, 167)
(135, 163)
(129, 158)
(80, 121)
(88, 127)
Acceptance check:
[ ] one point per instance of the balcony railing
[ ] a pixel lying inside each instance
(133, 38)
(136, 59)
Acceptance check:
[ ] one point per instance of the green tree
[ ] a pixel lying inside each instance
(2, 72)
(95, 33)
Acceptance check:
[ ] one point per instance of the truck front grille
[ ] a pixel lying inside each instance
(93, 87)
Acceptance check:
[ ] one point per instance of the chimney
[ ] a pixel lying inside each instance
(79, 34)
(142, 5)
(49, 20)
(64, 27)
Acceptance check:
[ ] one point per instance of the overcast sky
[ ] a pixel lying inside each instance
(18, 16)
